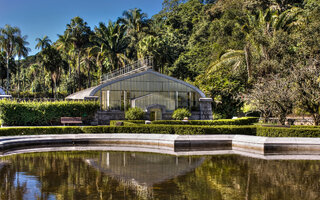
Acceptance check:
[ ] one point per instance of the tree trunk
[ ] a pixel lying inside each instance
(18, 79)
(316, 119)
(8, 76)
(55, 89)
(248, 62)
(89, 78)
(282, 119)
(52, 87)
(79, 81)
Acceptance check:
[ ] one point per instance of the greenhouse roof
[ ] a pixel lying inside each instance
(90, 92)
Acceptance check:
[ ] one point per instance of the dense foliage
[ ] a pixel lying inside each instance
(134, 114)
(181, 113)
(228, 48)
(13, 113)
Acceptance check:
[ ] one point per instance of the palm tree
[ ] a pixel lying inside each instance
(136, 24)
(265, 23)
(88, 61)
(79, 33)
(110, 43)
(21, 51)
(63, 44)
(158, 48)
(53, 63)
(43, 43)
(9, 38)
(233, 58)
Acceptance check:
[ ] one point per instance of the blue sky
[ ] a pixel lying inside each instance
(37, 18)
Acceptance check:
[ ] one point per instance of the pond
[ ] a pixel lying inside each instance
(128, 175)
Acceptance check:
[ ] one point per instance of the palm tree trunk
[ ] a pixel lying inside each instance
(52, 87)
(18, 79)
(79, 81)
(8, 74)
(248, 62)
(89, 78)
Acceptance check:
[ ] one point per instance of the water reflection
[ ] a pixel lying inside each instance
(118, 175)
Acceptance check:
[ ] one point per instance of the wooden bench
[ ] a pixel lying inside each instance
(71, 120)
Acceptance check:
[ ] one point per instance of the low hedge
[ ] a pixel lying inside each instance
(239, 121)
(166, 129)
(288, 132)
(13, 113)
(304, 126)
(127, 122)
(158, 129)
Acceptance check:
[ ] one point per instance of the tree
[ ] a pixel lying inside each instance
(79, 33)
(136, 24)
(272, 96)
(53, 63)
(110, 43)
(43, 43)
(307, 89)
(21, 51)
(159, 49)
(9, 41)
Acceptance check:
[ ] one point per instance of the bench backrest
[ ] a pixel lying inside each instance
(68, 119)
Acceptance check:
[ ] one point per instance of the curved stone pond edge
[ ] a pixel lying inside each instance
(179, 145)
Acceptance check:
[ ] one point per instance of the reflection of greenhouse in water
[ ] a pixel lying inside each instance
(142, 171)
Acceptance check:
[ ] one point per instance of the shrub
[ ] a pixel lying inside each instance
(134, 114)
(181, 113)
(13, 113)
(239, 121)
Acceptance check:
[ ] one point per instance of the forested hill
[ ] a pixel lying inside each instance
(231, 49)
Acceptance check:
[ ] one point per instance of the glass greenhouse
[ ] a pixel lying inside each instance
(146, 89)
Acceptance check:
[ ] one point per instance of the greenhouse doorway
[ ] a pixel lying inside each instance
(155, 114)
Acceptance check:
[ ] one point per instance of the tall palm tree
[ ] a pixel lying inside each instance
(63, 44)
(111, 42)
(9, 38)
(88, 60)
(43, 43)
(21, 51)
(136, 24)
(79, 33)
(53, 63)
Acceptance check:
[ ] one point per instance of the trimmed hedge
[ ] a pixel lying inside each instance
(220, 122)
(127, 122)
(239, 121)
(158, 129)
(13, 113)
(304, 126)
(287, 132)
(166, 129)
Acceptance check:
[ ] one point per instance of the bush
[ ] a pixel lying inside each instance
(239, 121)
(13, 113)
(181, 113)
(134, 114)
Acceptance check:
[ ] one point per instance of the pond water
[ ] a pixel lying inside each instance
(127, 175)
